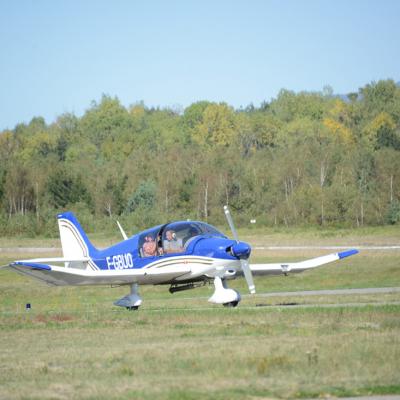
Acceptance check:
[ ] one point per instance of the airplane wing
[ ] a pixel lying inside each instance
(64, 275)
(296, 267)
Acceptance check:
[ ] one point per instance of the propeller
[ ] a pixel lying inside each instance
(244, 261)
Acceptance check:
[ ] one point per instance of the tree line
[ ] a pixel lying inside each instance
(307, 158)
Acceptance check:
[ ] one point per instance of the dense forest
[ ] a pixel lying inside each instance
(308, 158)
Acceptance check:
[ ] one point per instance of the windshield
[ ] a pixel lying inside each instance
(173, 238)
(177, 235)
(210, 230)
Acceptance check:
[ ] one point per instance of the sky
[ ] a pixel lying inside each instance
(58, 56)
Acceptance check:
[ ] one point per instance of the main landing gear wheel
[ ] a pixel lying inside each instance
(132, 308)
(231, 304)
(132, 301)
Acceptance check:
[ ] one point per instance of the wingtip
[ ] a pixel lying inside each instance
(347, 253)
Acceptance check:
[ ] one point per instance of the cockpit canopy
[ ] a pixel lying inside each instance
(173, 237)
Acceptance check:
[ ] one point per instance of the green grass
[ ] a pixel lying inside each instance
(210, 353)
(379, 235)
(75, 344)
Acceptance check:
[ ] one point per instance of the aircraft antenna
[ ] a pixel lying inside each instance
(122, 231)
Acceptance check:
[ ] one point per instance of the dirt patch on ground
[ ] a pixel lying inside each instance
(41, 318)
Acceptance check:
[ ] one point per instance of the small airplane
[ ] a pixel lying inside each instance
(182, 254)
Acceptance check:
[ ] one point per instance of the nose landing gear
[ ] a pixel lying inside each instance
(223, 295)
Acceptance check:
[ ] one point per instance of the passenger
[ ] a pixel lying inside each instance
(171, 244)
(149, 246)
(192, 233)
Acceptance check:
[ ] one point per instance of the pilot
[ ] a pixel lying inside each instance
(191, 234)
(171, 243)
(149, 246)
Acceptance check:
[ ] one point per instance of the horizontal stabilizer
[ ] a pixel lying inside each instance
(61, 275)
(32, 265)
(56, 260)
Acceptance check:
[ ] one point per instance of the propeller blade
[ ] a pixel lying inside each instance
(248, 275)
(230, 222)
(243, 262)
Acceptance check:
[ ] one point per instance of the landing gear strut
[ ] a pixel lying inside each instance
(131, 301)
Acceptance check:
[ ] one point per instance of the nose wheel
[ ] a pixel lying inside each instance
(224, 295)
(132, 308)
(231, 304)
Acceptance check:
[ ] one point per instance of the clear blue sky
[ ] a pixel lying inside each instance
(58, 56)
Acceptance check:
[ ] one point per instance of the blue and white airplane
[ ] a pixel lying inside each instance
(183, 254)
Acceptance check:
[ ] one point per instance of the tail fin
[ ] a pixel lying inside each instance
(74, 242)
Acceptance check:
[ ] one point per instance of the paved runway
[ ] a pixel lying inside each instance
(337, 292)
(31, 250)
(394, 247)
(217, 307)
(330, 292)
(374, 397)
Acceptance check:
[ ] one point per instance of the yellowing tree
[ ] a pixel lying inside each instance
(339, 111)
(337, 122)
(339, 131)
(381, 132)
(217, 126)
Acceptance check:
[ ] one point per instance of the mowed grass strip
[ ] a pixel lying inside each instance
(75, 344)
(208, 353)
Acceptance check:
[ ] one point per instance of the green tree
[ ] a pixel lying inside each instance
(381, 132)
(144, 196)
(104, 119)
(65, 189)
(393, 214)
(18, 189)
(109, 197)
(381, 96)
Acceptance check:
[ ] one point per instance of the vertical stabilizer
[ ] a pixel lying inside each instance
(74, 241)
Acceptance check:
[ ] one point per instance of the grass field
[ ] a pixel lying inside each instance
(75, 344)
